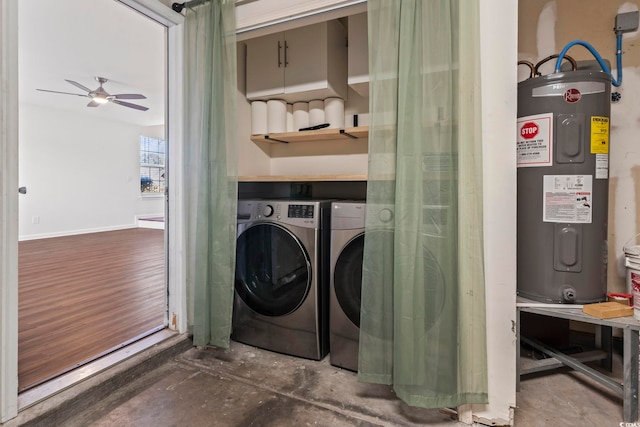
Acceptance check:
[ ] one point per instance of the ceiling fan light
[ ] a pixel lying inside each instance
(100, 99)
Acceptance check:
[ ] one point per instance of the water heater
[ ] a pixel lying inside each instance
(563, 171)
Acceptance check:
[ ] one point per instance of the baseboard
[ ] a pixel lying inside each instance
(75, 232)
(146, 221)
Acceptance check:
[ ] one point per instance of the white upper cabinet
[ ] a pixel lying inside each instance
(302, 64)
(265, 66)
(359, 54)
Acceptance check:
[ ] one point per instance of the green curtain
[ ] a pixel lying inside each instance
(423, 324)
(211, 177)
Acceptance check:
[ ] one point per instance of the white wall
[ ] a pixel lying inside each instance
(81, 174)
(545, 28)
(499, 93)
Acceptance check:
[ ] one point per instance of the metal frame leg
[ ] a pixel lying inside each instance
(606, 344)
(630, 372)
(581, 367)
(517, 349)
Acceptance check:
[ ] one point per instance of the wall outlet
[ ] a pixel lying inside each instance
(300, 191)
(35, 220)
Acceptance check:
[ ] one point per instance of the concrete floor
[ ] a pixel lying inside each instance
(567, 398)
(246, 386)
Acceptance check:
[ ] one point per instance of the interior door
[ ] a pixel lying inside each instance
(80, 164)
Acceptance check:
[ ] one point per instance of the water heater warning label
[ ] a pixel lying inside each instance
(599, 135)
(535, 140)
(567, 198)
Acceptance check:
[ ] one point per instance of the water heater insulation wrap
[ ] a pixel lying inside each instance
(563, 147)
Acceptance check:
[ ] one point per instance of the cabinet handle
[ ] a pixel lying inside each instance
(279, 50)
(286, 49)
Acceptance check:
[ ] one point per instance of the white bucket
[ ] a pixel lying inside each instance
(632, 262)
(636, 298)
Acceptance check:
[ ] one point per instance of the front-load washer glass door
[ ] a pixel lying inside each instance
(347, 278)
(347, 273)
(273, 272)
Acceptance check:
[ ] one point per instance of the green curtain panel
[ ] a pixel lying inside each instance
(423, 326)
(210, 167)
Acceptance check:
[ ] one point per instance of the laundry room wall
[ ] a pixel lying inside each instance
(82, 174)
(348, 157)
(545, 27)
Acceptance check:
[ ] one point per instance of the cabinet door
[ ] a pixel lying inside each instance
(265, 66)
(306, 58)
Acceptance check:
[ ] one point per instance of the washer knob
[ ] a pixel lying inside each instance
(267, 211)
(385, 215)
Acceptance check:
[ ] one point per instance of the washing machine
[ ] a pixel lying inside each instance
(281, 286)
(347, 246)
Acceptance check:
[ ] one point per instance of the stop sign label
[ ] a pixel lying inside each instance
(534, 140)
(529, 130)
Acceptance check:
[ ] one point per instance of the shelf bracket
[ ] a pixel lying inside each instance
(274, 139)
(342, 132)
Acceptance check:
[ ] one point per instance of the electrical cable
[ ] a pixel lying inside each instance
(616, 82)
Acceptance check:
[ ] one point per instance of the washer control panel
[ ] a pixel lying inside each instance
(267, 210)
(300, 213)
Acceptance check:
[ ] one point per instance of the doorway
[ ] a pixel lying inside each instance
(80, 164)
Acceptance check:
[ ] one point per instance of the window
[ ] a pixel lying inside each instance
(152, 157)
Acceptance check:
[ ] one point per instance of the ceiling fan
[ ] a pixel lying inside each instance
(100, 96)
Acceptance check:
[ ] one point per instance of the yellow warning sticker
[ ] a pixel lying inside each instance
(599, 135)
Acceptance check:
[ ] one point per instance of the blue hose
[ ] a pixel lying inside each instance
(616, 82)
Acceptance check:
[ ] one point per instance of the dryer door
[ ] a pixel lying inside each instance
(273, 271)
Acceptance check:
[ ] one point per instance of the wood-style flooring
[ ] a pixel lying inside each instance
(85, 295)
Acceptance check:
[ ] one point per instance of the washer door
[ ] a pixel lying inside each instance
(347, 278)
(273, 271)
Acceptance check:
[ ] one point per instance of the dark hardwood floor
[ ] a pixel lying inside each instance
(81, 296)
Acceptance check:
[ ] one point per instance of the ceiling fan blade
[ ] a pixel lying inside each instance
(78, 85)
(64, 93)
(130, 105)
(93, 104)
(129, 96)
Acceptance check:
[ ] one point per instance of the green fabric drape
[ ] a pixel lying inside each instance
(423, 324)
(210, 168)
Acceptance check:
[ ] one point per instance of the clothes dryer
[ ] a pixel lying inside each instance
(281, 292)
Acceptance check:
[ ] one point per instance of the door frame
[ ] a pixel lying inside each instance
(175, 269)
(176, 286)
(8, 209)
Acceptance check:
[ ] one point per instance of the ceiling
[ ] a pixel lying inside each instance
(80, 40)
